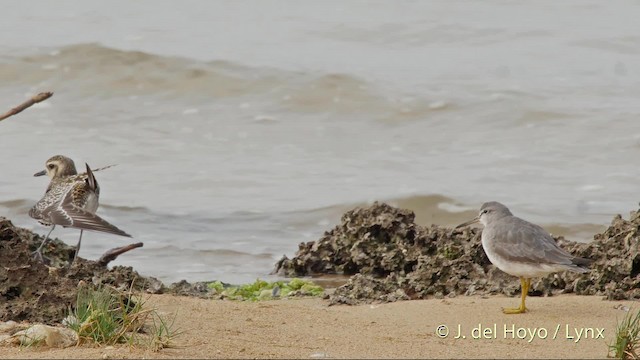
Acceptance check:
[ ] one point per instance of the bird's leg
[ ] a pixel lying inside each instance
(524, 285)
(38, 253)
(77, 249)
(527, 282)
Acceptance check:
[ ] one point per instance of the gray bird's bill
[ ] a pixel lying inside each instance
(475, 220)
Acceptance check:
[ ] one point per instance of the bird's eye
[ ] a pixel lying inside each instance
(484, 211)
(51, 166)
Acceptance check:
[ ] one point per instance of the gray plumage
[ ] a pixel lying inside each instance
(522, 249)
(515, 240)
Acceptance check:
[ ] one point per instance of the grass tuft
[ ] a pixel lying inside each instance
(627, 337)
(107, 316)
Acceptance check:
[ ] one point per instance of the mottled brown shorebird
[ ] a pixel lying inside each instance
(521, 248)
(71, 200)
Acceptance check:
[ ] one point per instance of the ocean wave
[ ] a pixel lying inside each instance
(126, 209)
(209, 252)
(107, 72)
(17, 203)
(429, 209)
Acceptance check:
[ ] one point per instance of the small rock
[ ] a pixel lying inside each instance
(622, 307)
(5, 337)
(8, 327)
(155, 286)
(50, 335)
(319, 355)
(184, 288)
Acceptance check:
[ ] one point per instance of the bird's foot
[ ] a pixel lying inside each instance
(72, 259)
(71, 262)
(518, 310)
(37, 255)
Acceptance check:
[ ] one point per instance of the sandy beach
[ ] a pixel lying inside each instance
(308, 328)
(467, 322)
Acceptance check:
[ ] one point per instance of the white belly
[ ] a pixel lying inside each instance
(520, 269)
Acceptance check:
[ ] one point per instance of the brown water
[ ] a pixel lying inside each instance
(244, 128)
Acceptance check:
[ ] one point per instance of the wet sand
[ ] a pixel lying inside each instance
(308, 328)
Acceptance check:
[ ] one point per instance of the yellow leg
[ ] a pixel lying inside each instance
(524, 286)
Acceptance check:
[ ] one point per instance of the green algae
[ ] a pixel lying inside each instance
(265, 290)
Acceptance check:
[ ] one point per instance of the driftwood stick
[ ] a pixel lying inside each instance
(34, 100)
(112, 254)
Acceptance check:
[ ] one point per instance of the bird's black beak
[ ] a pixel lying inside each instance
(475, 220)
(43, 172)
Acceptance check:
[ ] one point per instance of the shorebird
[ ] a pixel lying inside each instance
(71, 200)
(522, 249)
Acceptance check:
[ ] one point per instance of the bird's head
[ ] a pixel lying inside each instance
(58, 166)
(489, 211)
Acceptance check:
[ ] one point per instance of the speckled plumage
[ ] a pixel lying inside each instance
(71, 199)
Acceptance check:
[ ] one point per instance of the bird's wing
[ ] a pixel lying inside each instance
(525, 242)
(56, 191)
(71, 215)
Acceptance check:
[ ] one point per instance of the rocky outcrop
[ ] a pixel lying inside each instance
(393, 258)
(35, 292)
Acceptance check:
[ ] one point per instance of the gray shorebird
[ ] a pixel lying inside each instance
(522, 249)
(71, 200)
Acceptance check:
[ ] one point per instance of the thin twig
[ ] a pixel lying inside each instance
(104, 167)
(112, 254)
(17, 268)
(34, 100)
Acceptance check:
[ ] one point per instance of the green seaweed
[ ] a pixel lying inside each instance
(313, 289)
(264, 290)
(217, 286)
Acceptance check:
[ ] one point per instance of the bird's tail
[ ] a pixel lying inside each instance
(91, 179)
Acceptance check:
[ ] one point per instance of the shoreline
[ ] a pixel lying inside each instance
(444, 272)
(309, 328)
